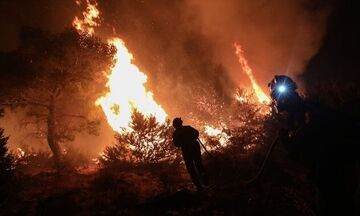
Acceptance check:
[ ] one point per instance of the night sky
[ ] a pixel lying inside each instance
(336, 59)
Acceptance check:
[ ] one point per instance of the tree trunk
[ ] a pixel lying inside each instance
(51, 134)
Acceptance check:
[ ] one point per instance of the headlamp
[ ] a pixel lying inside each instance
(281, 88)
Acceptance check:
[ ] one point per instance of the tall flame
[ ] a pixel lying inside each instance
(127, 91)
(262, 97)
(125, 81)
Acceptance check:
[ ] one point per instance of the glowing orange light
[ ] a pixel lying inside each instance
(217, 133)
(262, 97)
(90, 18)
(127, 91)
(125, 81)
(20, 152)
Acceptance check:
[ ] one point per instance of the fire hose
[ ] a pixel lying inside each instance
(258, 174)
(260, 171)
(202, 144)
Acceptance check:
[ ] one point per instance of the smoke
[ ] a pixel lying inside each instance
(20, 131)
(52, 16)
(278, 37)
(186, 46)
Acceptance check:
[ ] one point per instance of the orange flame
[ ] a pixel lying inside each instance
(125, 81)
(90, 19)
(212, 131)
(20, 152)
(217, 133)
(127, 91)
(262, 97)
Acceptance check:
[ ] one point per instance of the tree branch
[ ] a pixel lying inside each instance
(24, 102)
(73, 116)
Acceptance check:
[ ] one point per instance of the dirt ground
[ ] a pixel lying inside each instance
(156, 191)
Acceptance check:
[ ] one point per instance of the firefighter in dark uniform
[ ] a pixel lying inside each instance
(326, 143)
(186, 137)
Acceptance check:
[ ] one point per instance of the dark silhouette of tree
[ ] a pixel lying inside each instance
(6, 166)
(56, 78)
(148, 141)
(5, 158)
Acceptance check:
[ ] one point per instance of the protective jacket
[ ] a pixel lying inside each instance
(186, 137)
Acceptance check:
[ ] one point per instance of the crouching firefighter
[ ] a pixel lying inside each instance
(186, 137)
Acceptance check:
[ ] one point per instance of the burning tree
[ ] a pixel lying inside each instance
(147, 141)
(248, 121)
(62, 75)
(239, 124)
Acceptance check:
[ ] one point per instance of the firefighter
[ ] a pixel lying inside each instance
(186, 137)
(323, 140)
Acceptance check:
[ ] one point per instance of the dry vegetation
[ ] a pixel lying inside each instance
(142, 173)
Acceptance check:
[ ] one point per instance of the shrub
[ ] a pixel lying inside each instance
(26, 158)
(147, 141)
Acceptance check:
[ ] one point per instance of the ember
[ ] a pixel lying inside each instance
(218, 134)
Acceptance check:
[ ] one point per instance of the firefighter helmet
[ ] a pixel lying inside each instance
(177, 122)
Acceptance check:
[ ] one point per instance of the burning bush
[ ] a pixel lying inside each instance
(27, 158)
(147, 141)
(238, 125)
(248, 123)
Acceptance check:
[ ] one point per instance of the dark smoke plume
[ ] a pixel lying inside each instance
(186, 46)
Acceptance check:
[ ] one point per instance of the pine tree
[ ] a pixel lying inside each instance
(5, 159)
